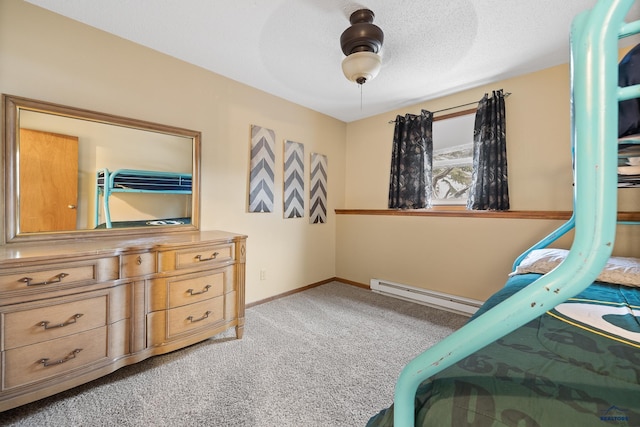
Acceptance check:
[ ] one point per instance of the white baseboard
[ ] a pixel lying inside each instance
(435, 299)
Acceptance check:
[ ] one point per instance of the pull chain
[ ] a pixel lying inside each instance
(360, 97)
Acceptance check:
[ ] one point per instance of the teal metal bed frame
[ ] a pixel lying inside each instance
(136, 181)
(594, 138)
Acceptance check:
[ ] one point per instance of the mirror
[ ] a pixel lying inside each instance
(71, 172)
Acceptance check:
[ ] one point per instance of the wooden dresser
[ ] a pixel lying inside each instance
(73, 311)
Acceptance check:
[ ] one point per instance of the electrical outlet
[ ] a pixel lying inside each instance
(263, 274)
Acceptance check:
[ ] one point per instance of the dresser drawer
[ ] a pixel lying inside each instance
(39, 324)
(201, 257)
(165, 325)
(139, 264)
(40, 279)
(37, 362)
(201, 314)
(176, 291)
(188, 291)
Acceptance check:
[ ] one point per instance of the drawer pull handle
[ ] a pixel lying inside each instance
(212, 257)
(192, 320)
(192, 292)
(139, 260)
(72, 320)
(58, 279)
(45, 362)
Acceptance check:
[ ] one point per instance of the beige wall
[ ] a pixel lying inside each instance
(51, 58)
(464, 256)
(537, 138)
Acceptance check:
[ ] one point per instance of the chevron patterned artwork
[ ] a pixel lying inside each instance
(318, 189)
(293, 179)
(263, 160)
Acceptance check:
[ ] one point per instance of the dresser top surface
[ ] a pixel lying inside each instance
(48, 250)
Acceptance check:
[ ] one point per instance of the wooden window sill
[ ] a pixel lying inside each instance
(461, 212)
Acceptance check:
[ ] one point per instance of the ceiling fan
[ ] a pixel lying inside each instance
(361, 43)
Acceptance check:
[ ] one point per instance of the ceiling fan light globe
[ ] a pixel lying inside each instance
(361, 65)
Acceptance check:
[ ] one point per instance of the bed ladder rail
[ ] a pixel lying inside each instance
(594, 91)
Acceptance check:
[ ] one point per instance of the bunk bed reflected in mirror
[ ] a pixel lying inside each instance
(71, 172)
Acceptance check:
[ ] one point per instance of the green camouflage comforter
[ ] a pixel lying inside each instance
(577, 365)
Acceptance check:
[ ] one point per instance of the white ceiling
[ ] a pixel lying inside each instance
(291, 48)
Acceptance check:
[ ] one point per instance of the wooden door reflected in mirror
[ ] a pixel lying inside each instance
(48, 181)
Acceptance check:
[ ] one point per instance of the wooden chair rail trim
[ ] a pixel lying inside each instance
(461, 213)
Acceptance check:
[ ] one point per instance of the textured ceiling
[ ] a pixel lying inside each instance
(291, 49)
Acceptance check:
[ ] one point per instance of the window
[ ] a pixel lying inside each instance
(452, 158)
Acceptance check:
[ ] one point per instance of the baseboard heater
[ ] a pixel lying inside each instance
(434, 299)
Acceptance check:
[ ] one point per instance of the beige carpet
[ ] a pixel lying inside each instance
(325, 357)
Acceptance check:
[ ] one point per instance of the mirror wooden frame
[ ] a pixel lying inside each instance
(11, 106)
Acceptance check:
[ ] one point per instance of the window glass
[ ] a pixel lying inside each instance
(452, 159)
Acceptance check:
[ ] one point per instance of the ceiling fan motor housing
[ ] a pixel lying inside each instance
(362, 35)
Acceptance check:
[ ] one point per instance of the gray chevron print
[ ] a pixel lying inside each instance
(293, 179)
(263, 159)
(318, 191)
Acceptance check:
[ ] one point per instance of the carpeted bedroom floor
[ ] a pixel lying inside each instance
(328, 356)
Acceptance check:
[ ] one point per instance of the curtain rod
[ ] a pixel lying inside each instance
(456, 106)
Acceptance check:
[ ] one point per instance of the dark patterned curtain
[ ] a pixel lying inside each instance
(489, 187)
(410, 181)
